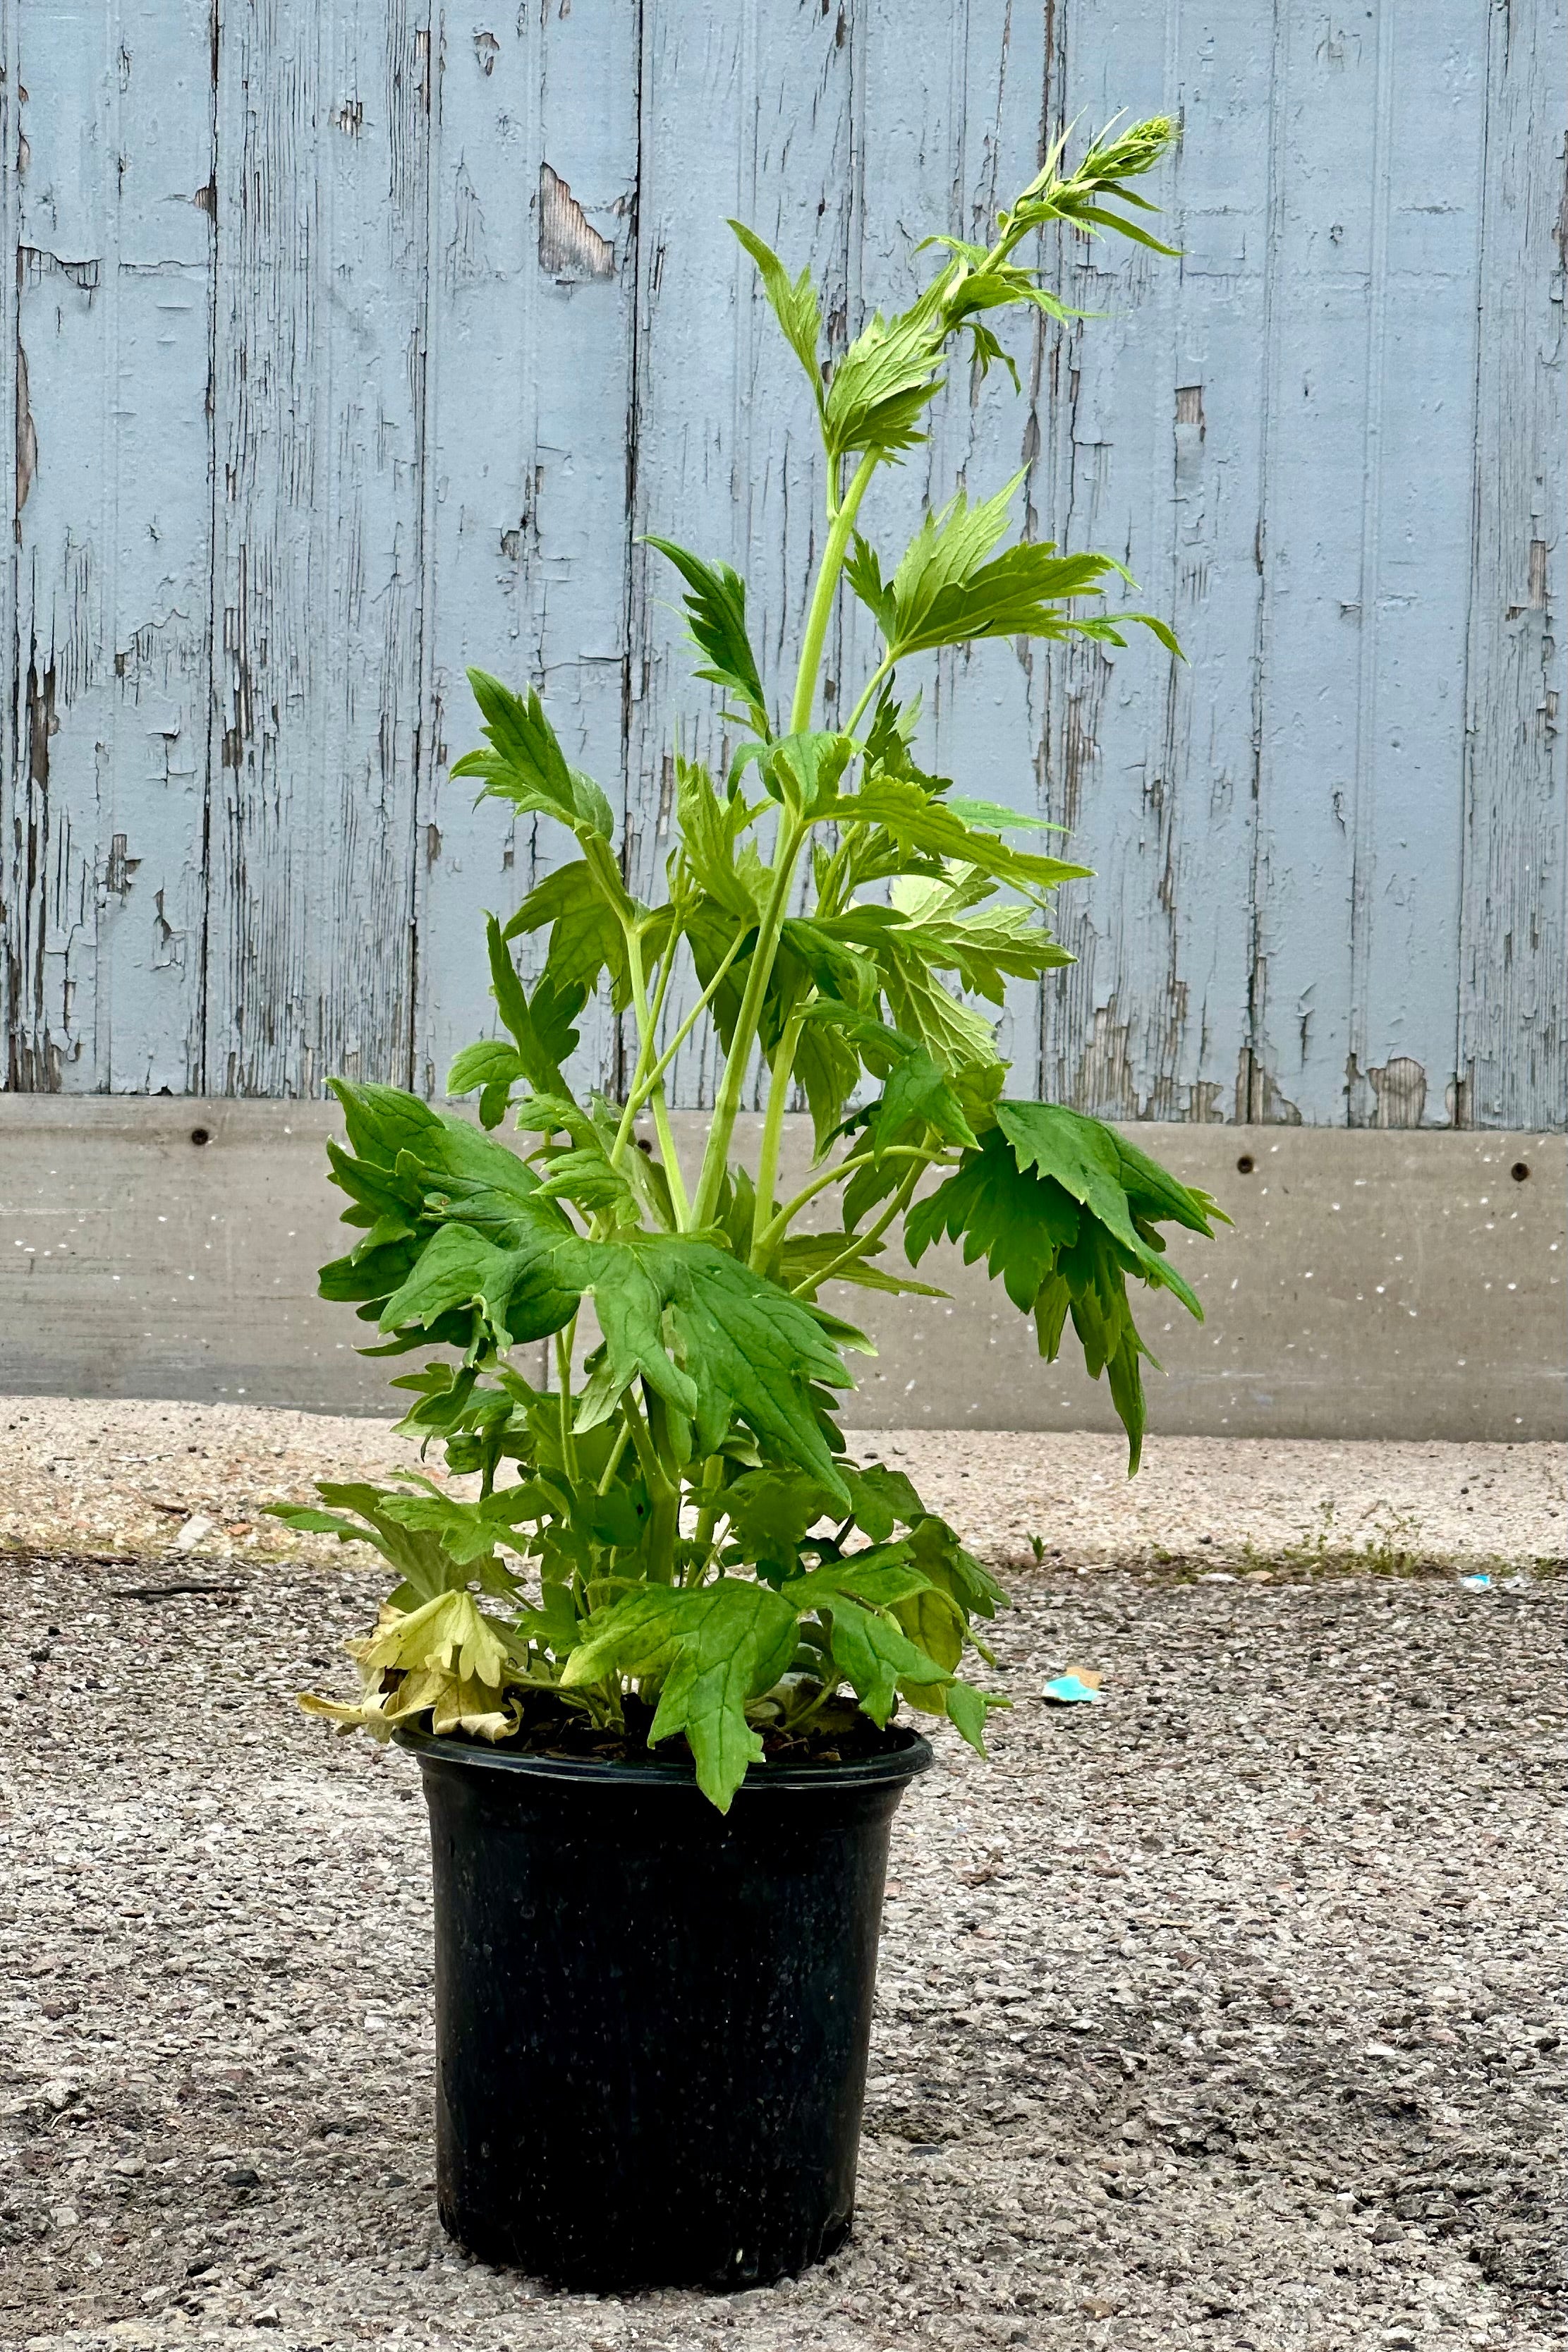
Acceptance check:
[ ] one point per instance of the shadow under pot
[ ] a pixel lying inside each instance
(653, 2019)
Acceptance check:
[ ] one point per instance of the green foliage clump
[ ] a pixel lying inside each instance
(672, 1543)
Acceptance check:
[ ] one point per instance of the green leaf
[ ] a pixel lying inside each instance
(803, 770)
(955, 1039)
(709, 829)
(518, 1290)
(917, 1096)
(1090, 1161)
(917, 821)
(874, 1655)
(944, 593)
(470, 1531)
(985, 946)
(717, 1648)
(995, 816)
(883, 1499)
(492, 1066)
(585, 935)
(884, 383)
(793, 302)
(738, 1647)
(770, 1510)
(742, 1347)
(525, 763)
(1046, 1200)
(716, 614)
(966, 1709)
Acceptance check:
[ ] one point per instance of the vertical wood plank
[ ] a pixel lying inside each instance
(1154, 410)
(1419, 433)
(1513, 1054)
(323, 153)
(531, 323)
(153, 770)
(1365, 541)
(11, 783)
(108, 627)
(64, 339)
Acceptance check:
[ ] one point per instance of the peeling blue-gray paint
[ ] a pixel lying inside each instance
(344, 344)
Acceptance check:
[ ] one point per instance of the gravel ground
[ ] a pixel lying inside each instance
(138, 1478)
(1218, 2014)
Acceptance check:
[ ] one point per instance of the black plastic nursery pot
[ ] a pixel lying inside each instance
(653, 2019)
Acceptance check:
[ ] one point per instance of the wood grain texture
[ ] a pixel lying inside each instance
(530, 341)
(1151, 418)
(345, 345)
(323, 150)
(1512, 1036)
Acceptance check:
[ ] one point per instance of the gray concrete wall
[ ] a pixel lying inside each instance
(1374, 1284)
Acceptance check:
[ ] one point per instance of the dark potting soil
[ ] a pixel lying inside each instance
(842, 1734)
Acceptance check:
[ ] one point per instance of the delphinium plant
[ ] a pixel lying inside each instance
(670, 1548)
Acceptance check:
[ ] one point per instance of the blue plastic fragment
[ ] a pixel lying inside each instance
(1475, 1583)
(1068, 1691)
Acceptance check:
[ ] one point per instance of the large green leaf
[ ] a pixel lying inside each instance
(742, 1347)
(518, 1290)
(1090, 1161)
(738, 1647)
(714, 1650)
(1063, 1211)
(874, 1655)
(883, 385)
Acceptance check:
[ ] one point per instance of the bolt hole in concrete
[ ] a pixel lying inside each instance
(201, 1135)
(1520, 1171)
(1246, 1164)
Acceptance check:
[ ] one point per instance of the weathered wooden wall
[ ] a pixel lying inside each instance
(348, 342)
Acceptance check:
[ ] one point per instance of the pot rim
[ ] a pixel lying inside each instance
(913, 1755)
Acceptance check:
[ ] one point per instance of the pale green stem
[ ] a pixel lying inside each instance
(827, 586)
(882, 671)
(864, 1242)
(623, 1438)
(773, 1132)
(727, 1109)
(645, 1086)
(655, 1093)
(563, 1340)
(835, 1175)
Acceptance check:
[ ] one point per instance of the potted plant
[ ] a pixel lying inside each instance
(653, 1668)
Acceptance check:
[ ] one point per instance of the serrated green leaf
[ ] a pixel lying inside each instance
(709, 829)
(738, 1646)
(716, 614)
(746, 1350)
(518, 1289)
(524, 765)
(874, 1655)
(793, 302)
(920, 822)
